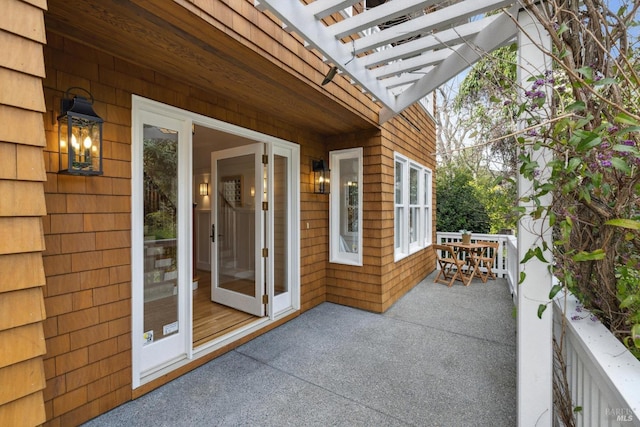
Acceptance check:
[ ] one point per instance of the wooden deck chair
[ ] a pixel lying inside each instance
(450, 266)
(484, 263)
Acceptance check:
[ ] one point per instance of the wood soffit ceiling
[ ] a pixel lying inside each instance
(399, 50)
(165, 37)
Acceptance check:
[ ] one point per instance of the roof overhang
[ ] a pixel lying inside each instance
(401, 50)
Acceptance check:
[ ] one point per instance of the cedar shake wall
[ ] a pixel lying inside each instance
(381, 281)
(88, 228)
(22, 207)
(399, 277)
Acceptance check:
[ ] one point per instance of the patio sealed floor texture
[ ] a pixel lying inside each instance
(439, 357)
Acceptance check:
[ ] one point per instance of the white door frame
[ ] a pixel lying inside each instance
(141, 376)
(149, 357)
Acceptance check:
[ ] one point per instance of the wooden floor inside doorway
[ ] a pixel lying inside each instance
(212, 320)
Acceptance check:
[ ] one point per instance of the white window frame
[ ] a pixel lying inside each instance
(403, 246)
(336, 253)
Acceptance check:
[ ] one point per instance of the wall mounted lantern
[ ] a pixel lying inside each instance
(79, 136)
(320, 177)
(204, 189)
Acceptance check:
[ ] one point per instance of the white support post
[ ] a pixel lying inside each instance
(534, 351)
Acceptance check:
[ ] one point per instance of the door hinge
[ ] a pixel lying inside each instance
(265, 159)
(265, 299)
(265, 252)
(265, 206)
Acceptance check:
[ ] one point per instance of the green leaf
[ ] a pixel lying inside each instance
(629, 301)
(605, 81)
(620, 164)
(563, 27)
(541, 309)
(625, 148)
(587, 72)
(577, 409)
(554, 291)
(523, 275)
(631, 224)
(635, 335)
(596, 255)
(628, 129)
(626, 119)
(574, 162)
(589, 142)
(576, 106)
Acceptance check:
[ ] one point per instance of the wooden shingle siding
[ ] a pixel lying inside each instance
(87, 227)
(88, 230)
(22, 206)
(381, 281)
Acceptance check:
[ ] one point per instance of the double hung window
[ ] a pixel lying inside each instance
(413, 210)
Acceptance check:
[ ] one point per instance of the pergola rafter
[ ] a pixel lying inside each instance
(401, 50)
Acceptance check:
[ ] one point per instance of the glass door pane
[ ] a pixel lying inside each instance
(237, 276)
(236, 226)
(280, 224)
(160, 187)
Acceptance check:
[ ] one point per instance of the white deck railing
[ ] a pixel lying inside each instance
(506, 264)
(603, 376)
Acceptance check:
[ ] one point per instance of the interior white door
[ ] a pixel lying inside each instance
(237, 225)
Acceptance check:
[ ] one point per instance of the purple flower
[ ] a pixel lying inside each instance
(629, 142)
(613, 129)
(606, 163)
(532, 132)
(507, 102)
(574, 317)
(538, 83)
(605, 145)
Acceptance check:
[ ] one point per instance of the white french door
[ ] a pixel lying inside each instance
(237, 228)
(160, 239)
(255, 211)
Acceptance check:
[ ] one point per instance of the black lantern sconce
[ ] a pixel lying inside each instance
(320, 177)
(79, 136)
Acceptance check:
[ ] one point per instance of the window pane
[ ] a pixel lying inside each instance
(399, 227)
(160, 165)
(349, 221)
(398, 183)
(426, 188)
(413, 186)
(413, 225)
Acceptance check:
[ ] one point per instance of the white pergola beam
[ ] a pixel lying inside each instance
(501, 31)
(441, 39)
(323, 8)
(405, 79)
(440, 19)
(294, 14)
(414, 63)
(372, 17)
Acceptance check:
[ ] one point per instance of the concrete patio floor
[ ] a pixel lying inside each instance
(439, 357)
